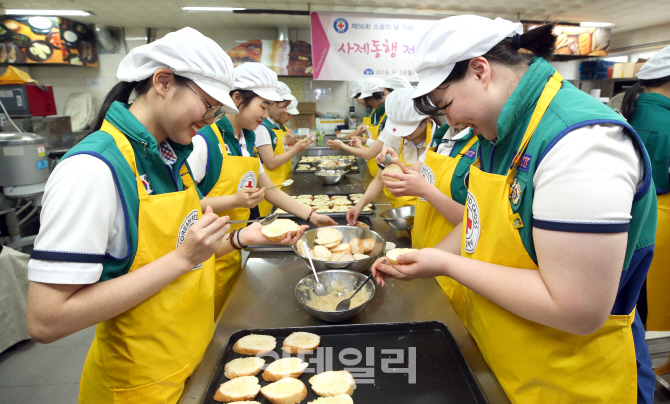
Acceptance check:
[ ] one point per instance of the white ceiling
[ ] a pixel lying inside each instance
(625, 14)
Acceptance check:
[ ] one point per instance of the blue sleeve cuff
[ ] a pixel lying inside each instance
(582, 227)
(68, 256)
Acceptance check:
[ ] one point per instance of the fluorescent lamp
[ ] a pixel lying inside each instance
(595, 24)
(211, 9)
(136, 38)
(78, 13)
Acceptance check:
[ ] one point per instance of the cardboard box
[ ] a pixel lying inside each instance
(303, 121)
(307, 107)
(638, 66)
(617, 73)
(629, 70)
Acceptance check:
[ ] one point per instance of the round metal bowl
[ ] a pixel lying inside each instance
(348, 232)
(343, 164)
(400, 218)
(328, 278)
(330, 177)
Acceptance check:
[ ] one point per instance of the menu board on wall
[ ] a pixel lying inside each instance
(580, 41)
(350, 46)
(46, 40)
(286, 58)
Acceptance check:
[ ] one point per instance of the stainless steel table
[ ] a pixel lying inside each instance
(263, 296)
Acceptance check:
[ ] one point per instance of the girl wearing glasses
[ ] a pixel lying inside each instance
(227, 169)
(123, 241)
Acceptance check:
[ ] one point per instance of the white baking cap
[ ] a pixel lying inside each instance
(356, 87)
(455, 39)
(293, 106)
(187, 53)
(255, 77)
(283, 90)
(402, 119)
(397, 82)
(658, 66)
(370, 86)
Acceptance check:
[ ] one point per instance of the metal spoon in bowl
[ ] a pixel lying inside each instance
(283, 184)
(344, 304)
(264, 221)
(319, 289)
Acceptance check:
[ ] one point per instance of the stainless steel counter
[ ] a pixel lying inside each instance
(263, 296)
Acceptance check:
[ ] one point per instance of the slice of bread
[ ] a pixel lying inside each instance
(346, 257)
(239, 389)
(243, 367)
(341, 208)
(322, 253)
(285, 391)
(323, 210)
(338, 399)
(393, 168)
(360, 257)
(368, 245)
(337, 256)
(331, 245)
(279, 229)
(341, 247)
(282, 368)
(328, 235)
(332, 383)
(301, 341)
(255, 344)
(393, 254)
(363, 225)
(356, 245)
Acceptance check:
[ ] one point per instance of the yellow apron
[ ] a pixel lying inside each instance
(146, 354)
(658, 278)
(400, 201)
(535, 363)
(278, 175)
(237, 172)
(430, 227)
(374, 130)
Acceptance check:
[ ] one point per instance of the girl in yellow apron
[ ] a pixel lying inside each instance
(123, 241)
(270, 144)
(227, 169)
(558, 228)
(372, 94)
(649, 114)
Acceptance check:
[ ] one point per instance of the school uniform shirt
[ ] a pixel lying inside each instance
(375, 116)
(410, 152)
(263, 136)
(88, 228)
(445, 144)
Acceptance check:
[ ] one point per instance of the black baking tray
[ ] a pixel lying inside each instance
(332, 214)
(442, 374)
(311, 165)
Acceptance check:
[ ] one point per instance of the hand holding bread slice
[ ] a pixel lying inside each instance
(393, 254)
(279, 229)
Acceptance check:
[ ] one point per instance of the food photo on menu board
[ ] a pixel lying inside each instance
(52, 40)
(580, 41)
(286, 58)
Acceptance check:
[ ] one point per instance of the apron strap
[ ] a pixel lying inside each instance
(126, 150)
(467, 147)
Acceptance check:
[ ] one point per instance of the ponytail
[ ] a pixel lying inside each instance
(120, 92)
(629, 99)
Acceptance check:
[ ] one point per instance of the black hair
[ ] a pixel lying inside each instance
(629, 99)
(390, 90)
(357, 95)
(540, 40)
(379, 96)
(247, 97)
(122, 92)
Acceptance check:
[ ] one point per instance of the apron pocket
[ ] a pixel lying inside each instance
(167, 390)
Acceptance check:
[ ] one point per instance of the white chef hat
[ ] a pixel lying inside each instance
(293, 106)
(356, 87)
(397, 82)
(283, 90)
(402, 118)
(253, 76)
(189, 54)
(371, 85)
(658, 66)
(455, 39)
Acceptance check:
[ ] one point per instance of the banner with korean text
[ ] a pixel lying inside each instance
(348, 47)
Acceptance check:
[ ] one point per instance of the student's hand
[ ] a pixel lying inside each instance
(320, 220)
(250, 197)
(253, 235)
(303, 144)
(394, 156)
(361, 129)
(334, 144)
(411, 183)
(289, 137)
(356, 142)
(203, 238)
(352, 215)
(424, 263)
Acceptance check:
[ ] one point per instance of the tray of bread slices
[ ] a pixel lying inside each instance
(331, 205)
(412, 362)
(311, 164)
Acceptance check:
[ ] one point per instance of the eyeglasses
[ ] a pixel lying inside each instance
(213, 112)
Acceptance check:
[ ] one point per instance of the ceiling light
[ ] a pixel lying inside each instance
(79, 13)
(211, 9)
(595, 24)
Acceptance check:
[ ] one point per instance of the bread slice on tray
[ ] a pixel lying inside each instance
(301, 341)
(328, 235)
(282, 368)
(338, 399)
(279, 229)
(332, 383)
(243, 367)
(285, 391)
(239, 389)
(393, 254)
(255, 344)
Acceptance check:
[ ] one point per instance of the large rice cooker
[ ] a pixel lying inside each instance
(24, 164)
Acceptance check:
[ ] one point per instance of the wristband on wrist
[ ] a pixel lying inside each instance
(238, 240)
(232, 238)
(310, 216)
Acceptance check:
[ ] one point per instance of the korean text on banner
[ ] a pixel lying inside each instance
(349, 46)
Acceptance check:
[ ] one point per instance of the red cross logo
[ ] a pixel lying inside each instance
(249, 184)
(394, 129)
(340, 25)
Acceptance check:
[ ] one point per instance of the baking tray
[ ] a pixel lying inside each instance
(441, 373)
(311, 165)
(331, 214)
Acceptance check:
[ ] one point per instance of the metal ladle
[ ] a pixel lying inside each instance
(346, 303)
(319, 289)
(264, 221)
